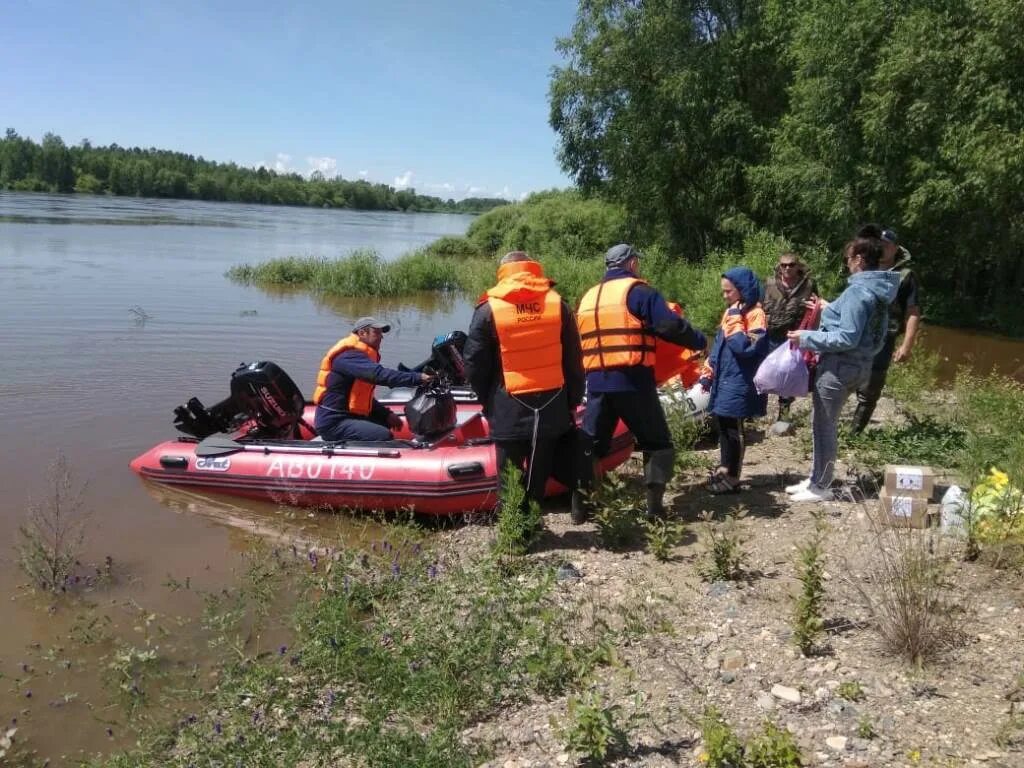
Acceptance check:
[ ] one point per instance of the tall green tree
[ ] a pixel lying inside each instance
(663, 104)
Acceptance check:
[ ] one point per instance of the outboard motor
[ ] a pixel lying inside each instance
(445, 358)
(431, 411)
(260, 392)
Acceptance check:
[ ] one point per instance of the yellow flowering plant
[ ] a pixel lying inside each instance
(997, 508)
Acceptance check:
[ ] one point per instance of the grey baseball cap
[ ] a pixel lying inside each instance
(619, 254)
(371, 322)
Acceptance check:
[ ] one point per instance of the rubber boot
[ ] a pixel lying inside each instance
(861, 417)
(583, 486)
(658, 469)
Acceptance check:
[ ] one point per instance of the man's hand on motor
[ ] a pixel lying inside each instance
(426, 378)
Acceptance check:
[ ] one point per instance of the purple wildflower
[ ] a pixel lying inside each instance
(313, 559)
(347, 583)
(28, 694)
(395, 569)
(191, 719)
(218, 728)
(432, 571)
(282, 650)
(330, 698)
(255, 717)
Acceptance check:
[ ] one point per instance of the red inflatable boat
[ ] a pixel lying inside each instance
(450, 471)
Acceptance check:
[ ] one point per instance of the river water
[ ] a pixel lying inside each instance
(114, 311)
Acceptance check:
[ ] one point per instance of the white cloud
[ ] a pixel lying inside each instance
(471, 190)
(328, 166)
(403, 181)
(283, 163)
(363, 174)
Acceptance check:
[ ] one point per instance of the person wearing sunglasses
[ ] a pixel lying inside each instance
(786, 294)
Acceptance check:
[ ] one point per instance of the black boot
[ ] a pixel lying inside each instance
(861, 417)
(583, 487)
(658, 469)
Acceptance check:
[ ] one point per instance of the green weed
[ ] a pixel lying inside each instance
(594, 729)
(774, 747)
(807, 618)
(722, 747)
(851, 690)
(866, 728)
(519, 520)
(663, 536)
(724, 555)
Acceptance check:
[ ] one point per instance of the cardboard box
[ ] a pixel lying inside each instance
(904, 511)
(903, 480)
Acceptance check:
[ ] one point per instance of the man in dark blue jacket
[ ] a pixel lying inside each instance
(345, 406)
(618, 320)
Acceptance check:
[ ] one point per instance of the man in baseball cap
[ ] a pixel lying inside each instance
(345, 406)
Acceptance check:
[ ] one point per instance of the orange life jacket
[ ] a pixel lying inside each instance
(528, 319)
(360, 397)
(612, 337)
(671, 360)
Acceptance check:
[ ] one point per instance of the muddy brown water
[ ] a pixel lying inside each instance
(114, 311)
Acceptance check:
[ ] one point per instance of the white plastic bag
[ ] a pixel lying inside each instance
(783, 373)
(954, 510)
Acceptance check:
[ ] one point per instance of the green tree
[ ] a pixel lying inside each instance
(662, 105)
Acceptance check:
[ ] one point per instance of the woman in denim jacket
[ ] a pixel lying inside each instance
(851, 332)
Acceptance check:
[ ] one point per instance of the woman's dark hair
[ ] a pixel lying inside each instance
(870, 230)
(868, 248)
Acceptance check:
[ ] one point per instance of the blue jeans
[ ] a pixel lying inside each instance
(835, 379)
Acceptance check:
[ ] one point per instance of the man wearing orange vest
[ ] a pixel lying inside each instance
(619, 320)
(349, 373)
(523, 361)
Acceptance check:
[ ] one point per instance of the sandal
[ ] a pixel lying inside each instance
(720, 484)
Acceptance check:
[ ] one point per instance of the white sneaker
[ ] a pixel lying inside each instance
(801, 486)
(813, 493)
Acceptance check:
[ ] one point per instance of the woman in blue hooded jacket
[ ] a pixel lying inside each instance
(740, 346)
(851, 331)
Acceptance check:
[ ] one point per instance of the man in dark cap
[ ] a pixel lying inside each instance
(351, 369)
(619, 319)
(904, 319)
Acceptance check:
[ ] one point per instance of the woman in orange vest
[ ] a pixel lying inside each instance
(349, 373)
(620, 320)
(522, 359)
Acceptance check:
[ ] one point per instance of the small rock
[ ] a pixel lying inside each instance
(719, 589)
(765, 702)
(838, 743)
(781, 428)
(711, 661)
(568, 572)
(562, 758)
(728, 676)
(784, 692)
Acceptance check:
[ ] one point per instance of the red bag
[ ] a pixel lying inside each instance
(810, 320)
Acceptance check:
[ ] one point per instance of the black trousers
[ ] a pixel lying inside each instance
(640, 411)
(535, 473)
(867, 396)
(731, 444)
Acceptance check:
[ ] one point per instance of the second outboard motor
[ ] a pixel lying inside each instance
(269, 396)
(260, 392)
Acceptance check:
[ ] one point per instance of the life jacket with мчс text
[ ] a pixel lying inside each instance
(611, 335)
(528, 320)
(360, 397)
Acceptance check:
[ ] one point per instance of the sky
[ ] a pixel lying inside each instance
(445, 96)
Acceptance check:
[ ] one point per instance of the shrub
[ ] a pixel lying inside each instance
(850, 690)
(54, 531)
(663, 536)
(724, 555)
(722, 747)
(807, 618)
(905, 587)
(519, 521)
(774, 747)
(594, 729)
(614, 511)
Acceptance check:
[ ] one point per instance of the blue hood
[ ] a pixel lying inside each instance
(881, 284)
(854, 325)
(746, 283)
